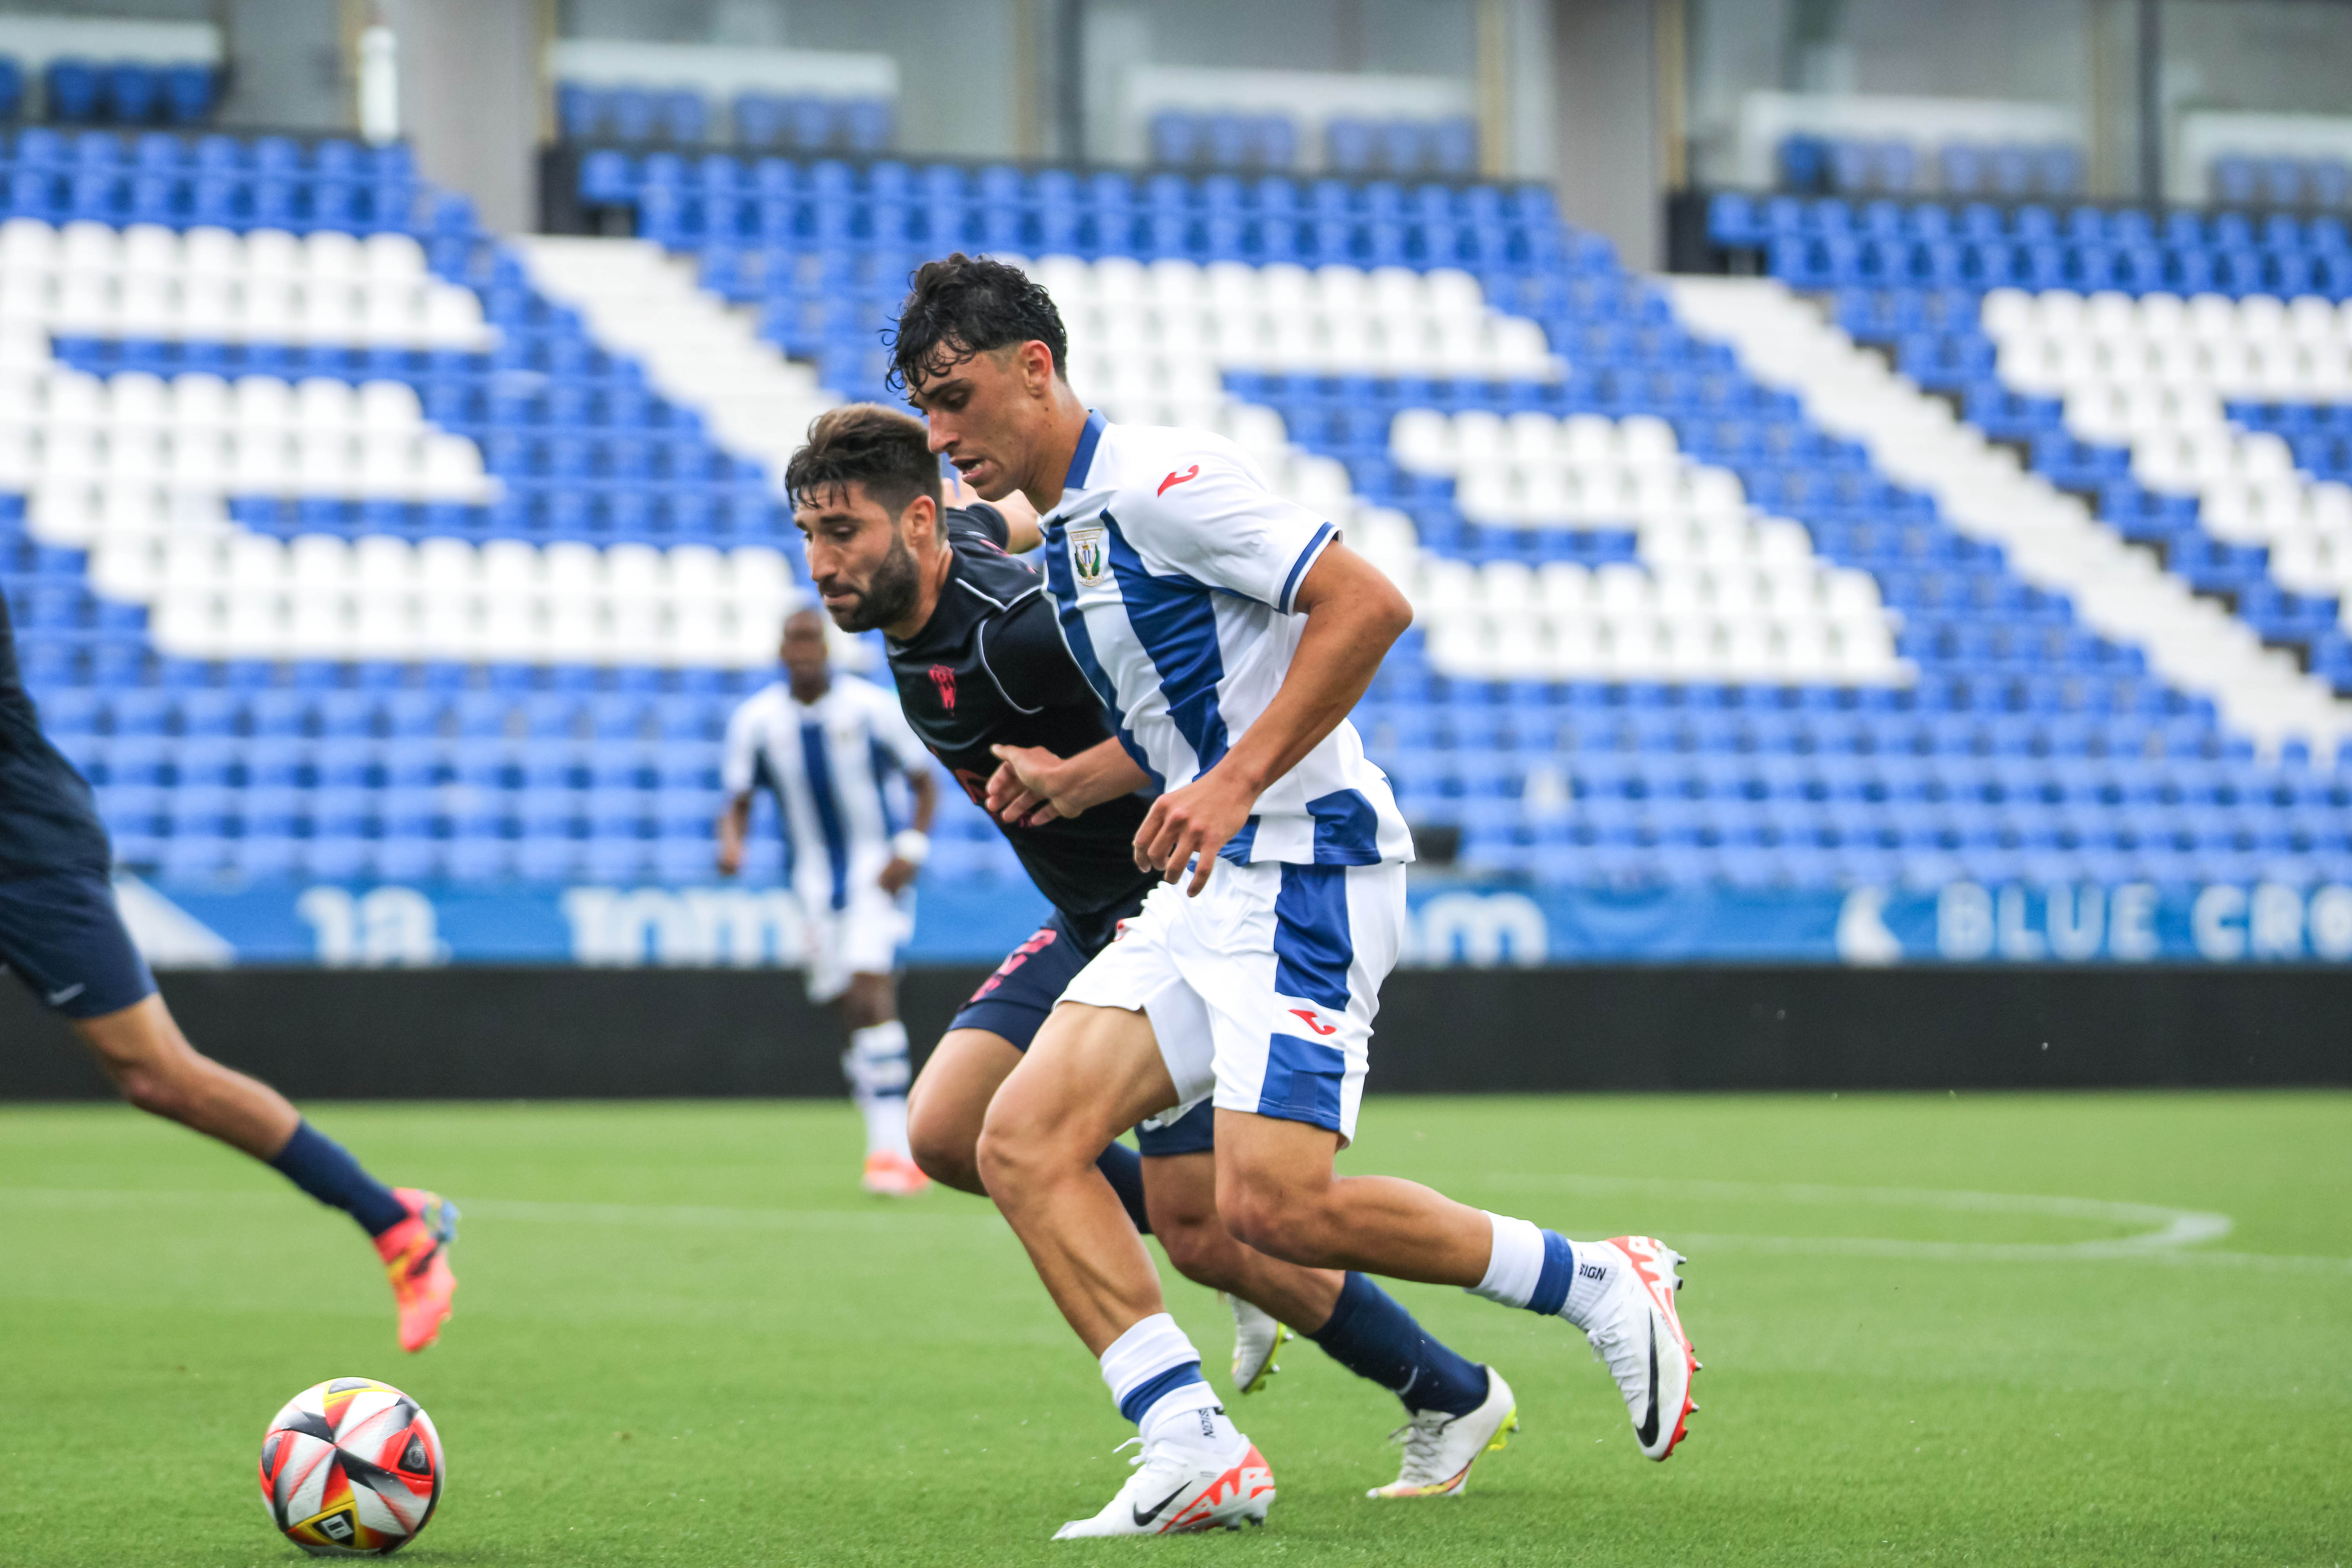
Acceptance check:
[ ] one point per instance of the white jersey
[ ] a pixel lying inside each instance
(829, 763)
(1172, 567)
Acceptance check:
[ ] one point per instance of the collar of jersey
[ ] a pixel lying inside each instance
(1083, 459)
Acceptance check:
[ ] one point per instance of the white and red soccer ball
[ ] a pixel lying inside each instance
(351, 1469)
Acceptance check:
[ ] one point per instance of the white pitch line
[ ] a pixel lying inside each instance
(2177, 1229)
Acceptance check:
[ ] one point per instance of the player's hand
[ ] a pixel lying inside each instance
(896, 875)
(1193, 823)
(1022, 789)
(731, 858)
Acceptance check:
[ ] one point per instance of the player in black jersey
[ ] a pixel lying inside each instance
(62, 934)
(981, 671)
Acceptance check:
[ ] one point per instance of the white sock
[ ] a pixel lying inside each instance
(1192, 1415)
(1596, 1269)
(1147, 1354)
(1582, 1271)
(876, 1065)
(1515, 1264)
(885, 1125)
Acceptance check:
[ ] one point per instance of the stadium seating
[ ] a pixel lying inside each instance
(1445, 148)
(1811, 164)
(2281, 182)
(2204, 425)
(386, 549)
(1190, 139)
(121, 93)
(596, 112)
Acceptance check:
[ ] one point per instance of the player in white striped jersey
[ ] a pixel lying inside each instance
(1229, 632)
(827, 746)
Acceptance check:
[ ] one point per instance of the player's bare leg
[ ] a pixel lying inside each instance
(1091, 1073)
(154, 1068)
(150, 1062)
(949, 1100)
(1277, 1190)
(1181, 1191)
(875, 1066)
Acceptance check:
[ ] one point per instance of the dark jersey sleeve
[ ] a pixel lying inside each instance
(979, 520)
(1030, 664)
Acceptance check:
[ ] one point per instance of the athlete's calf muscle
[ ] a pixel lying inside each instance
(1181, 1191)
(1277, 1191)
(140, 1048)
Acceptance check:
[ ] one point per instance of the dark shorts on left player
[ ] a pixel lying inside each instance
(1012, 1004)
(62, 935)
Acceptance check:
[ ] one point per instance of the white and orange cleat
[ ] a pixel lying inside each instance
(416, 1254)
(893, 1175)
(1637, 1332)
(1182, 1486)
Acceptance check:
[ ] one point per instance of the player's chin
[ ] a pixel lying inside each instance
(987, 481)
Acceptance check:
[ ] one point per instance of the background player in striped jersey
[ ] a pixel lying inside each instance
(827, 746)
(1229, 632)
(62, 935)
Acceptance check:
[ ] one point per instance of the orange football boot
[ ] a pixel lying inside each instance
(893, 1175)
(416, 1254)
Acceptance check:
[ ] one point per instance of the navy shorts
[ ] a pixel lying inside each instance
(61, 933)
(1012, 1004)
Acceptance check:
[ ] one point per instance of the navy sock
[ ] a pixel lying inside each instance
(325, 1169)
(1144, 1396)
(1122, 1167)
(1372, 1336)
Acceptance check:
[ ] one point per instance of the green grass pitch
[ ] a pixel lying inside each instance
(684, 1337)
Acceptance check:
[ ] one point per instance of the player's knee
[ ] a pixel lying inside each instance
(159, 1087)
(1019, 1148)
(944, 1145)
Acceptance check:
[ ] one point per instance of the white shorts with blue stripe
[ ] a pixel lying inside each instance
(862, 937)
(1261, 992)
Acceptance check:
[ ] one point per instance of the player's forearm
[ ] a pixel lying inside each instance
(926, 790)
(1353, 618)
(1100, 772)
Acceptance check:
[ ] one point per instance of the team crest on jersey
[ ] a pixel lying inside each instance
(1090, 555)
(943, 676)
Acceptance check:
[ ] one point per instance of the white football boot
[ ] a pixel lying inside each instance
(1635, 1330)
(1439, 1450)
(1185, 1483)
(1257, 1336)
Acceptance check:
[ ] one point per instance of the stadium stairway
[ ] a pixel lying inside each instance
(2051, 537)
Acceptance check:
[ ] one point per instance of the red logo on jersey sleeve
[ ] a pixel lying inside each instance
(1314, 1022)
(943, 676)
(1175, 479)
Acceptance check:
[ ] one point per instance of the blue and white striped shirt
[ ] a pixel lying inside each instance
(829, 763)
(1172, 568)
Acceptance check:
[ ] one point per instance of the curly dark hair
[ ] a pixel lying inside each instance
(967, 305)
(864, 442)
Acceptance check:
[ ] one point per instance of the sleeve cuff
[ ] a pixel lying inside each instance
(1324, 535)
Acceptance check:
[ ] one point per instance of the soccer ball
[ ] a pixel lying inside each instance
(351, 1469)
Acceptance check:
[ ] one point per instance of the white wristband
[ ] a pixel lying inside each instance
(911, 845)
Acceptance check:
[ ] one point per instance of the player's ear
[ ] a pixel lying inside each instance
(1036, 368)
(920, 520)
